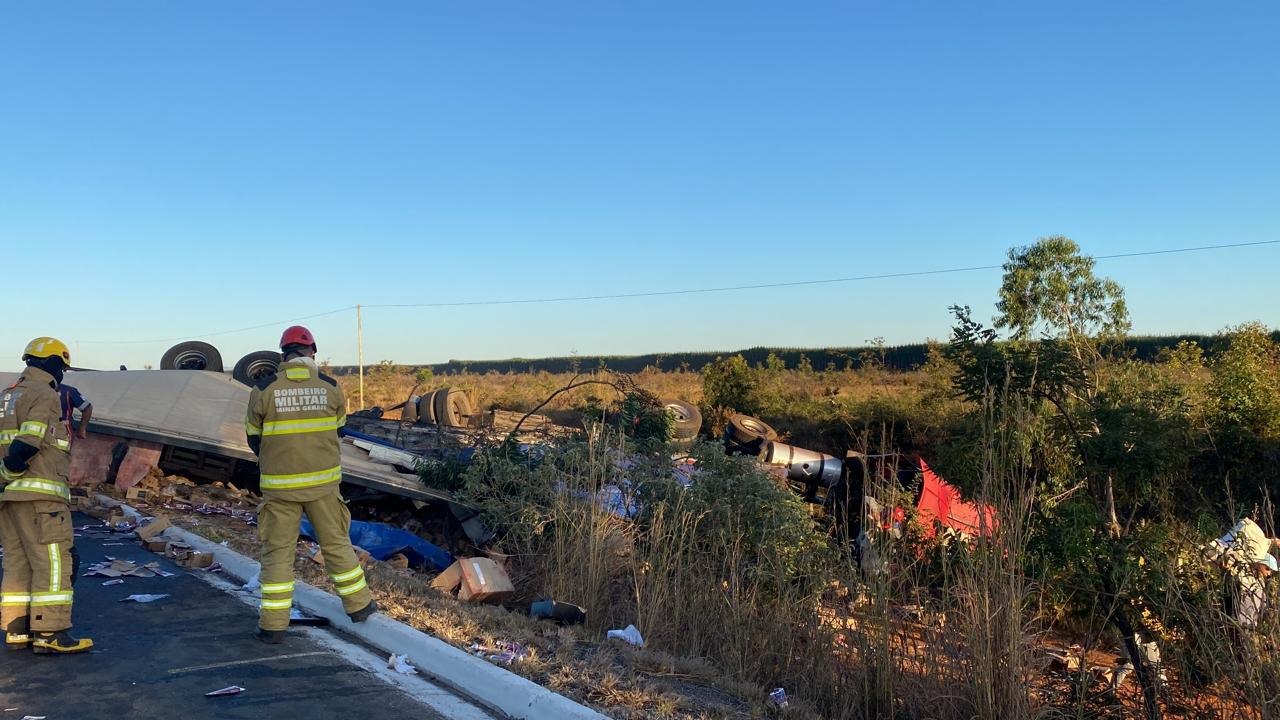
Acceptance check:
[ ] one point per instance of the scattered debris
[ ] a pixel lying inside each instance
(114, 568)
(631, 635)
(145, 598)
(382, 541)
(562, 612)
(230, 690)
(400, 663)
(254, 584)
(153, 528)
(476, 579)
(398, 561)
(779, 697)
(117, 581)
(118, 521)
(297, 619)
(185, 556)
(504, 653)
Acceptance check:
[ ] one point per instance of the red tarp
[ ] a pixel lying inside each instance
(942, 503)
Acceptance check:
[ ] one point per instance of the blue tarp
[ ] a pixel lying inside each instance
(382, 541)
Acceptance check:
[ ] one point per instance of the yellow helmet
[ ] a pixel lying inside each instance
(43, 347)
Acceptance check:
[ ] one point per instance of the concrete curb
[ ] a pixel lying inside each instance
(511, 694)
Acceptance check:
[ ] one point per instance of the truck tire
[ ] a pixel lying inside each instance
(192, 355)
(256, 365)
(684, 444)
(688, 419)
(453, 407)
(427, 408)
(744, 430)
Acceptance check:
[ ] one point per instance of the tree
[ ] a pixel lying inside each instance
(1049, 289)
(1244, 412)
(1062, 319)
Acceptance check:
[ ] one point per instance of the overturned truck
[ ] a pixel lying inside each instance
(192, 422)
(848, 489)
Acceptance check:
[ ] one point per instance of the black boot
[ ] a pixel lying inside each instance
(271, 637)
(363, 613)
(59, 643)
(17, 636)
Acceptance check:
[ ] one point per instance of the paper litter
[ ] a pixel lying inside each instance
(400, 663)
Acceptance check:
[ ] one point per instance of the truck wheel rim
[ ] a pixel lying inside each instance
(191, 360)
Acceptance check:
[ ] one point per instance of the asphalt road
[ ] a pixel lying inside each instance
(157, 660)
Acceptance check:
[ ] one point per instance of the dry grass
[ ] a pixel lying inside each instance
(623, 682)
(824, 410)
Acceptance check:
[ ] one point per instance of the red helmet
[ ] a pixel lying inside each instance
(296, 335)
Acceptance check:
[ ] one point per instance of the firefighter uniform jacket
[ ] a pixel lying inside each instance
(29, 413)
(293, 420)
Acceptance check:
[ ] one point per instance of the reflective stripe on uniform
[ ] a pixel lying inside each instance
(349, 582)
(347, 576)
(293, 427)
(276, 588)
(301, 480)
(285, 604)
(41, 599)
(250, 429)
(356, 587)
(15, 599)
(64, 445)
(7, 436)
(55, 567)
(42, 486)
(33, 427)
(297, 373)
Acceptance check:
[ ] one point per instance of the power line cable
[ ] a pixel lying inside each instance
(667, 293)
(278, 323)
(794, 283)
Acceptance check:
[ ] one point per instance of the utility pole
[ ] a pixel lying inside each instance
(360, 351)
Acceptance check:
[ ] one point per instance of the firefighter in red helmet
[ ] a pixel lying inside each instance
(292, 423)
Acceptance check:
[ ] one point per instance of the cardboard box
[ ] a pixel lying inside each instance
(449, 580)
(153, 528)
(137, 493)
(156, 546)
(184, 556)
(175, 550)
(484, 581)
(476, 579)
(196, 559)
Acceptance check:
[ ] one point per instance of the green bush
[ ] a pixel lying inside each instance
(731, 383)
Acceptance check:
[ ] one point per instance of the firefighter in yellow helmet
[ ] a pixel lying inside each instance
(35, 521)
(292, 423)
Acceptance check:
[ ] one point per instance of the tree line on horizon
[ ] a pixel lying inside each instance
(891, 357)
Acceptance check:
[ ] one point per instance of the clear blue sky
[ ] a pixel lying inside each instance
(176, 169)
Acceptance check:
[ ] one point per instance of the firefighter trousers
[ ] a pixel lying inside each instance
(36, 590)
(278, 522)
